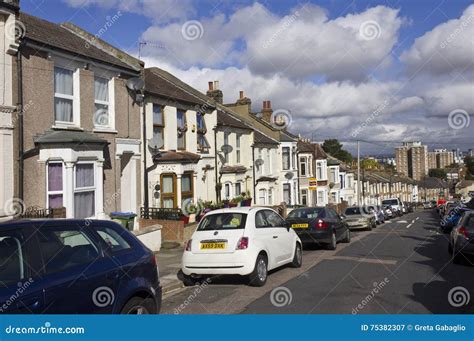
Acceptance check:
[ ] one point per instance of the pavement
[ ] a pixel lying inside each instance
(401, 267)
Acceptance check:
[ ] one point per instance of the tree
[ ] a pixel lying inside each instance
(437, 173)
(334, 148)
(369, 164)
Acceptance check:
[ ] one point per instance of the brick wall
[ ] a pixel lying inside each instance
(172, 230)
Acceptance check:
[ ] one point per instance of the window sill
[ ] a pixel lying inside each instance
(105, 130)
(67, 127)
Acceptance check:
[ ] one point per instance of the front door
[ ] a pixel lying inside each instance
(168, 191)
(128, 187)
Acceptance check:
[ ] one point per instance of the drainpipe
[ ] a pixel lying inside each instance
(298, 177)
(145, 170)
(20, 124)
(215, 165)
(254, 182)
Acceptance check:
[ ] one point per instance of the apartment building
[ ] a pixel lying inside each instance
(412, 160)
(440, 158)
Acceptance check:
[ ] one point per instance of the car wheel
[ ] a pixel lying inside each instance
(298, 258)
(258, 277)
(369, 227)
(139, 306)
(189, 281)
(347, 237)
(333, 243)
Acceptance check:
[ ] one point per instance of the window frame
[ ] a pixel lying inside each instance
(304, 197)
(85, 189)
(201, 133)
(183, 130)
(303, 162)
(226, 142)
(156, 125)
(110, 103)
(168, 195)
(283, 154)
(187, 194)
(287, 185)
(74, 98)
(238, 141)
(19, 235)
(48, 192)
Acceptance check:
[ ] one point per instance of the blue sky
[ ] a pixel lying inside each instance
(309, 59)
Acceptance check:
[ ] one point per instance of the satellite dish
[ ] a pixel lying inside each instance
(226, 149)
(136, 84)
(259, 162)
(289, 175)
(153, 146)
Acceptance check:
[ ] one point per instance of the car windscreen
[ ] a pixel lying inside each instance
(390, 202)
(305, 213)
(352, 211)
(223, 221)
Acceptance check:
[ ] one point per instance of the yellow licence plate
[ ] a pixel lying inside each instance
(299, 226)
(212, 246)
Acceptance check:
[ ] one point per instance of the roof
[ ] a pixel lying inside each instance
(287, 137)
(176, 157)
(314, 148)
(431, 182)
(260, 138)
(233, 169)
(228, 120)
(68, 137)
(162, 83)
(58, 36)
(243, 209)
(267, 179)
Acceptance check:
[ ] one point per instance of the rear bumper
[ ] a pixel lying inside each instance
(241, 262)
(464, 246)
(358, 226)
(308, 236)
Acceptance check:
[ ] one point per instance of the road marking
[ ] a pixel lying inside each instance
(402, 221)
(413, 221)
(417, 218)
(409, 225)
(364, 260)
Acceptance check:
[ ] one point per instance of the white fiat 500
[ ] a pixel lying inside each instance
(247, 241)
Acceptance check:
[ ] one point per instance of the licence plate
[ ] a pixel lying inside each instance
(212, 246)
(299, 226)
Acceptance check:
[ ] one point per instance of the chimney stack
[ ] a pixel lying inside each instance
(267, 111)
(243, 100)
(214, 92)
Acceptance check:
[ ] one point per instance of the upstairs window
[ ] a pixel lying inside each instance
(158, 126)
(286, 158)
(303, 166)
(226, 143)
(182, 128)
(237, 147)
(203, 145)
(101, 102)
(63, 95)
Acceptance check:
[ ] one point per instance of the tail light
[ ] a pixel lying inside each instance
(321, 224)
(462, 230)
(188, 245)
(243, 243)
(153, 259)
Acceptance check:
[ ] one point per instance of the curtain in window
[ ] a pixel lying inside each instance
(55, 177)
(63, 81)
(63, 109)
(186, 183)
(158, 137)
(101, 89)
(167, 185)
(84, 204)
(157, 115)
(55, 200)
(84, 175)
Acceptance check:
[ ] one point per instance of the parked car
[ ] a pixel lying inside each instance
(247, 241)
(427, 205)
(395, 205)
(388, 211)
(320, 225)
(70, 266)
(355, 218)
(461, 241)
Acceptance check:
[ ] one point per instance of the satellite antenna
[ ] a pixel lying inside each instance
(136, 84)
(226, 149)
(153, 146)
(289, 175)
(259, 162)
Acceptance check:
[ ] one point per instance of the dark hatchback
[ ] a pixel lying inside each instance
(461, 241)
(321, 225)
(75, 267)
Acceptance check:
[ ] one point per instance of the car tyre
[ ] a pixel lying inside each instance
(347, 237)
(259, 275)
(369, 227)
(139, 306)
(189, 281)
(333, 244)
(298, 258)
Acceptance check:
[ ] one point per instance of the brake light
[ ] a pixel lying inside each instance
(462, 230)
(188, 245)
(243, 243)
(153, 259)
(321, 224)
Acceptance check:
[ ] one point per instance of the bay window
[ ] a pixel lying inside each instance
(238, 188)
(84, 190)
(262, 196)
(55, 185)
(304, 197)
(168, 190)
(187, 191)
(158, 126)
(63, 95)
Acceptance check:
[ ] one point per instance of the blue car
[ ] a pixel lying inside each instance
(68, 266)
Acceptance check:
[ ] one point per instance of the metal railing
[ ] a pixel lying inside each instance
(161, 213)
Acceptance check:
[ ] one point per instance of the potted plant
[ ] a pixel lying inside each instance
(246, 199)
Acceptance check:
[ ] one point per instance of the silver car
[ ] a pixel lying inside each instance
(356, 218)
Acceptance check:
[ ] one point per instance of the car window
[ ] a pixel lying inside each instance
(261, 220)
(274, 219)
(352, 211)
(64, 248)
(113, 239)
(305, 213)
(332, 214)
(12, 261)
(223, 221)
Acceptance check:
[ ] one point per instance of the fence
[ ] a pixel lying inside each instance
(43, 213)
(161, 213)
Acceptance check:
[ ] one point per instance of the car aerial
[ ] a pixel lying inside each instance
(461, 241)
(247, 241)
(66, 266)
(395, 205)
(321, 225)
(356, 218)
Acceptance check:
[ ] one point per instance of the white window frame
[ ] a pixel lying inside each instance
(228, 185)
(238, 183)
(305, 162)
(48, 192)
(85, 189)
(262, 196)
(110, 104)
(304, 194)
(270, 196)
(75, 97)
(238, 142)
(226, 142)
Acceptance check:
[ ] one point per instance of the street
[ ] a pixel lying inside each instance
(401, 267)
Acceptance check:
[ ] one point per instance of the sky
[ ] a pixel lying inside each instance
(382, 72)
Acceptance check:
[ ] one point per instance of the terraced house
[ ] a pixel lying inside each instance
(77, 136)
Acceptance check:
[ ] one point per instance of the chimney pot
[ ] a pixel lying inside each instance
(269, 104)
(211, 86)
(216, 85)
(241, 94)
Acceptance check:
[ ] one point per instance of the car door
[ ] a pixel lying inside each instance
(19, 290)
(267, 237)
(335, 222)
(75, 271)
(285, 236)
